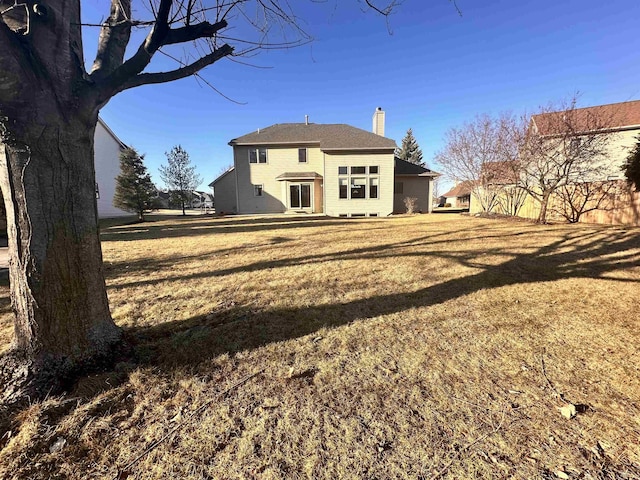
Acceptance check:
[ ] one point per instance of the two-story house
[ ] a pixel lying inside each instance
(335, 169)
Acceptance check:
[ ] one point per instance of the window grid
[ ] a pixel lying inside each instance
(360, 183)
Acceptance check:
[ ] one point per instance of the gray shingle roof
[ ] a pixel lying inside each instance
(407, 168)
(327, 136)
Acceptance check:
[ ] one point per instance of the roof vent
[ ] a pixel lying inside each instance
(306, 119)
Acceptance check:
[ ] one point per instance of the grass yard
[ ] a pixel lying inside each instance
(422, 347)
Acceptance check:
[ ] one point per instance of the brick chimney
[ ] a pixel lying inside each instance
(378, 122)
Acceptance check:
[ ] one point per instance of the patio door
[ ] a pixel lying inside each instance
(300, 195)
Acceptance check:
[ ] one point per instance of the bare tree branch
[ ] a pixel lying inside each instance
(186, 71)
(193, 32)
(114, 37)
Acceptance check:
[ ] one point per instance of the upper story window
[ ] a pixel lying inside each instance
(258, 155)
(302, 155)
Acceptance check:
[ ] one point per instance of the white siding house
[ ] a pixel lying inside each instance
(107, 148)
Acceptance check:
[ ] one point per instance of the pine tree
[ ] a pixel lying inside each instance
(179, 176)
(135, 192)
(632, 166)
(410, 150)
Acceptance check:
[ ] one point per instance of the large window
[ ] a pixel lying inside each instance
(358, 182)
(258, 155)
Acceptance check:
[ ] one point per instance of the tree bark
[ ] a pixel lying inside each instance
(544, 205)
(58, 291)
(48, 116)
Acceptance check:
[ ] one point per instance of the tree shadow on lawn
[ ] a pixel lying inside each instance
(188, 226)
(594, 254)
(146, 265)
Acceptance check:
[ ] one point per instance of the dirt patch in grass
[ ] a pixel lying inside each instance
(413, 347)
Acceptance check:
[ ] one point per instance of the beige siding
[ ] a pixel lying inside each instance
(335, 206)
(416, 187)
(619, 148)
(224, 194)
(279, 160)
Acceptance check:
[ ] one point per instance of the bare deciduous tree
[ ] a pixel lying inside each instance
(564, 152)
(49, 108)
(473, 151)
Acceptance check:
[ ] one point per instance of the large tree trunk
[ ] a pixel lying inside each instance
(48, 116)
(58, 290)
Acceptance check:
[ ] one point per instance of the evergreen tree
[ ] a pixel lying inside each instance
(410, 150)
(632, 166)
(179, 175)
(135, 191)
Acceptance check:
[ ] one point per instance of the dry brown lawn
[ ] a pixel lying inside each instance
(429, 346)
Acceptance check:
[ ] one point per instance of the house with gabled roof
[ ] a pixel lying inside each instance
(335, 169)
(460, 195)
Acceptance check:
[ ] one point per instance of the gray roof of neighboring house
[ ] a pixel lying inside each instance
(407, 168)
(327, 136)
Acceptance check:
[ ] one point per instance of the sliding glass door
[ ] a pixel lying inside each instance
(300, 195)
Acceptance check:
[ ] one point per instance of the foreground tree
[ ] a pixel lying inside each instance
(564, 154)
(482, 153)
(135, 192)
(180, 176)
(410, 151)
(49, 108)
(632, 166)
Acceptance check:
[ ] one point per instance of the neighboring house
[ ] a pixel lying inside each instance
(459, 196)
(201, 199)
(620, 122)
(224, 192)
(107, 148)
(335, 169)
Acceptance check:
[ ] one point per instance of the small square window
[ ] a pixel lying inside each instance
(302, 155)
(342, 170)
(373, 169)
(358, 170)
(257, 190)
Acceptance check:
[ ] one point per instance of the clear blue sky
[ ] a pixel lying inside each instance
(436, 70)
